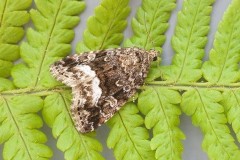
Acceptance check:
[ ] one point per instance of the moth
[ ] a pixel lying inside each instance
(102, 81)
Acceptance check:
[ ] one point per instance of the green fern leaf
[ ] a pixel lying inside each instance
(48, 42)
(232, 108)
(189, 41)
(18, 125)
(223, 66)
(162, 114)
(203, 105)
(57, 115)
(13, 15)
(5, 84)
(104, 29)
(149, 26)
(127, 137)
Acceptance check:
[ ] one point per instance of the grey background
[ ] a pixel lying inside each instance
(192, 143)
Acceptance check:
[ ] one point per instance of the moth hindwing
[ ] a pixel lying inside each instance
(102, 82)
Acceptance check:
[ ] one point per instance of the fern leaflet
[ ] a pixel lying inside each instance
(13, 16)
(222, 68)
(18, 124)
(189, 41)
(104, 29)
(203, 105)
(162, 114)
(47, 43)
(127, 137)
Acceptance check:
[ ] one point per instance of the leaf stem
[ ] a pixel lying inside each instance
(187, 86)
(163, 84)
(34, 91)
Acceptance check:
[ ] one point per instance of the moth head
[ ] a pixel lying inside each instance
(153, 54)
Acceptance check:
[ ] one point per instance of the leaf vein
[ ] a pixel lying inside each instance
(130, 136)
(189, 40)
(18, 129)
(47, 44)
(109, 28)
(151, 24)
(167, 121)
(226, 55)
(2, 16)
(209, 121)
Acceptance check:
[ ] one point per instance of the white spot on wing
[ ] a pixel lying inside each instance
(86, 70)
(97, 91)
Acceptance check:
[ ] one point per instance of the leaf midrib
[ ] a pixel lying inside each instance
(162, 84)
(109, 26)
(47, 44)
(210, 123)
(170, 134)
(227, 51)
(151, 24)
(128, 134)
(3, 13)
(189, 40)
(17, 128)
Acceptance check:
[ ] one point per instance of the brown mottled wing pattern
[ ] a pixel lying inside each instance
(102, 82)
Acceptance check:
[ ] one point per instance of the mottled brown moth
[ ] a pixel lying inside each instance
(102, 82)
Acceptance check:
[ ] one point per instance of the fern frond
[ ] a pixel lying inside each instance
(149, 27)
(18, 125)
(150, 24)
(56, 114)
(128, 139)
(48, 42)
(162, 114)
(189, 41)
(231, 103)
(223, 66)
(13, 15)
(104, 29)
(203, 105)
